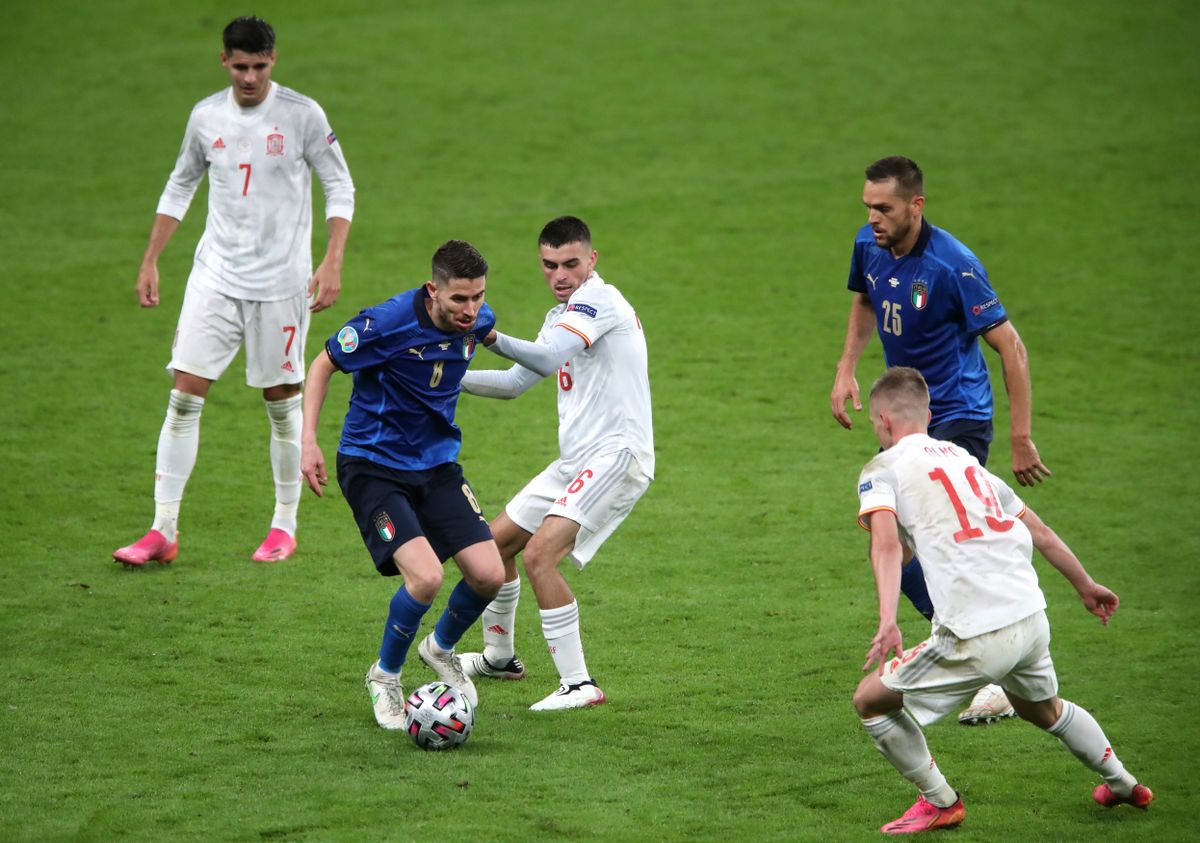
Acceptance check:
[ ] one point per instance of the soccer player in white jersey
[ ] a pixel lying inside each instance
(975, 538)
(592, 343)
(252, 280)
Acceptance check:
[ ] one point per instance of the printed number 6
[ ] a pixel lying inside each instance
(577, 483)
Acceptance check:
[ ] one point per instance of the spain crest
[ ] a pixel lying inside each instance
(384, 526)
(920, 294)
(468, 346)
(275, 144)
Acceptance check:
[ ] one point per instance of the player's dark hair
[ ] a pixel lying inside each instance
(563, 230)
(250, 34)
(910, 181)
(457, 259)
(904, 389)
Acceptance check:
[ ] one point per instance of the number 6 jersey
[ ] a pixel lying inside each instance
(963, 523)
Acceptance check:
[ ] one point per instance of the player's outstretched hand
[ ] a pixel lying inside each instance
(1027, 464)
(886, 640)
(1100, 601)
(312, 467)
(147, 286)
(325, 287)
(845, 387)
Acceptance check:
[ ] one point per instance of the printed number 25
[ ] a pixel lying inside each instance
(891, 317)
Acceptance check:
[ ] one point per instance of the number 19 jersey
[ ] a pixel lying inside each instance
(964, 524)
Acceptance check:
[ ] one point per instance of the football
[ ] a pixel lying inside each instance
(438, 716)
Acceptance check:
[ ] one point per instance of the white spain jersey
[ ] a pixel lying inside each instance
(964, 525)
(604, 391)
(257, 241)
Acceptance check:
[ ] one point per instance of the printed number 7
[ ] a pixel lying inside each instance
(246, 184)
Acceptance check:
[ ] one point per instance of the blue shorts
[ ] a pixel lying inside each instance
(393, 507)
(974, 435)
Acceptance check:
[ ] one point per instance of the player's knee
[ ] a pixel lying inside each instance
(540, 557)
(423, 583)
(868, 699)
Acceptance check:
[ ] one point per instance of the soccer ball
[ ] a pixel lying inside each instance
(438, 716)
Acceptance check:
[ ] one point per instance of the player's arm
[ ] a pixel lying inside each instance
(887, 553)
(500, 383)
(176, 197)
(147, 277)
(324, 154)
(326, 284)
(544, 356)
(858, 333)
(1096, 598)
(1014, 361)
(316, 387)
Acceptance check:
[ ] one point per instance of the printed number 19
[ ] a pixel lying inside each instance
(995, 517)
(246, 184)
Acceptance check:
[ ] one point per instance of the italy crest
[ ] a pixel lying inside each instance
(468, 346)
(920, 294)
(383, 524)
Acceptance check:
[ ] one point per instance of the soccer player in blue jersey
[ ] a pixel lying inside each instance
(928, 297)
(396, 462)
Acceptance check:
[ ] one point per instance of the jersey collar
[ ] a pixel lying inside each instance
(419, 310)
(918, 248)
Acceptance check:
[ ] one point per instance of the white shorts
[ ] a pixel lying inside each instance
(212, 326)
(938, 674)
(597, 498)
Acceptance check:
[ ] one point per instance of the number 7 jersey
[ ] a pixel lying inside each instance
(963, 523)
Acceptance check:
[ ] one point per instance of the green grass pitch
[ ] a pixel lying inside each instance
(717, 150)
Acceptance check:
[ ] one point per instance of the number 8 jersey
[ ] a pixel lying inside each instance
(963, 523)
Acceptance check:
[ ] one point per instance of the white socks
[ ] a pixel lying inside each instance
(901, 741)
(561, 628)
(286, 420)
(1079, 732)
(499, 619)
(177, 446)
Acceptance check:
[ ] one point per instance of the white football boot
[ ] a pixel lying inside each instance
(989, 705)
(448, 669)
(476, 665)
(571, 696)
(387, 697)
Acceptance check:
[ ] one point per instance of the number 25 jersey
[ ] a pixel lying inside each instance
(963, 523)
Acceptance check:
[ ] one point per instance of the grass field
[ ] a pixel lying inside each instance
(717, 151)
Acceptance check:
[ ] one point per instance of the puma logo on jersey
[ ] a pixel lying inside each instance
(872, 279)
(420, 352)
(969, 274)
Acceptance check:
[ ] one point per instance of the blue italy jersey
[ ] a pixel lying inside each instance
(930, 308)
(407, 373)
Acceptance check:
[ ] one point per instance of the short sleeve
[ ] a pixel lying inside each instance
(590, 315)
(981, 308)
(360, 343)
(1010, 502)
(876, 491)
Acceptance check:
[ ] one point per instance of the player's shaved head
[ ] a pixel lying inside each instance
(457, 259)
(563, 230)
(901, 392)
(910, 181)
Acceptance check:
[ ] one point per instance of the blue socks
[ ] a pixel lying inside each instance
(404, 617)
(912, 583)
(462, 609)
